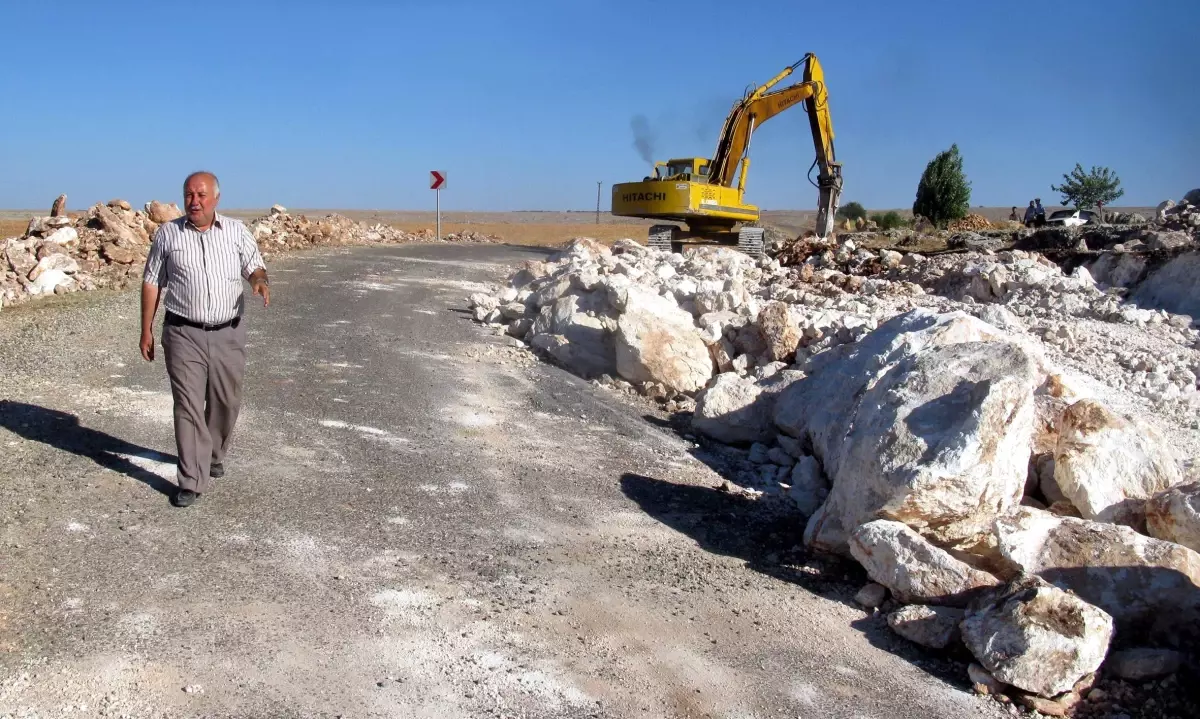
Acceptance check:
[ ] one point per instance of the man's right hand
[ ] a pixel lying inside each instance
(148, 346)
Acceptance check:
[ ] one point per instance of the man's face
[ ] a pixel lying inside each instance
(200, 201)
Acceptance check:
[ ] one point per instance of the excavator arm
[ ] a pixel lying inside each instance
(829, 176)
(761, 105)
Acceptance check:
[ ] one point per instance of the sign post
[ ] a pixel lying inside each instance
(437, 179)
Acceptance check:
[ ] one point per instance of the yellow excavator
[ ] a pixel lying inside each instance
(700, 192)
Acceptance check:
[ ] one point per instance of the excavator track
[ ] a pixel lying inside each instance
(752, 241)
(663, 237)
(671, 238)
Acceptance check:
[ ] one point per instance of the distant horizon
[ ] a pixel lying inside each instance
(591, 212)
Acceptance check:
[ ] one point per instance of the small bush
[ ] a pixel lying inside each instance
(851, 210)
(890, 220)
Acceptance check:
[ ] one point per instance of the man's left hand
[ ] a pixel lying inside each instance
(260, 287)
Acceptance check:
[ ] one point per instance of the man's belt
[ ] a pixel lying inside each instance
(176, 320)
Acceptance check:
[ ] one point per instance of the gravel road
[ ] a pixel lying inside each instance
(418, 520)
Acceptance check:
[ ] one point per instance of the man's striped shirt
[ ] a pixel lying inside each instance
(202, 271)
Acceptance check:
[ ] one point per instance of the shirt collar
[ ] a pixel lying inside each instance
(218, 222)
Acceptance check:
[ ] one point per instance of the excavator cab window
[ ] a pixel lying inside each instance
(676, 169)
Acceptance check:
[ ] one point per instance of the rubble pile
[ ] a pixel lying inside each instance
(1182, 216)
(970, 223)
(104, 247)
(1024, 291)
(279, 230)
(1173, 225)
(999, 443)
(107, 245)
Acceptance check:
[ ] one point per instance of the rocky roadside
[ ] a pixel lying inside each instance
(1004, 446)
(106, 247)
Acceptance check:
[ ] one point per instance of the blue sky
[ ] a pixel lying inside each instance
(527, 105)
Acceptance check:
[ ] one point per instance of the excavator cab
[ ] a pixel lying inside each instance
(690, 169)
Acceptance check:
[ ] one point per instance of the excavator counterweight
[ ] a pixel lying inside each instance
(707, 195)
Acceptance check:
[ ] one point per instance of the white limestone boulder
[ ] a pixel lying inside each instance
(581, 250)
(49, 281)
(933, 627)
(809, 488)
(588, 348)
(737, 410)
(62, 236)
(54, 261)
(657, 342)
(1037, 637)
(161, 212)
(913, 569)
(927, 420)
(1147, 585)
(1108, 465)
(780, 330)
(729, 411)
(1174, 515)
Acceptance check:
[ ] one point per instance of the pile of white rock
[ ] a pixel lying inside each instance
(998, 499)
(282, 230)
(57, 254)
(1184, 215)
(839, 293)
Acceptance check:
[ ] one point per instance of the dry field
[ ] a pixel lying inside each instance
(12, 228)
(541, 229)
(539, 235)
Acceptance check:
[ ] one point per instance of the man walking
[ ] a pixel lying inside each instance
(195, 267)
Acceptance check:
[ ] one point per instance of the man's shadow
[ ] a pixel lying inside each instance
(63, 431)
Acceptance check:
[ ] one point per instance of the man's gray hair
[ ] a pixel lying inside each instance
(203, 173)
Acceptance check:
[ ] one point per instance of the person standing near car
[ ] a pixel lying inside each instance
(1040, 213)
(1030, 214)
(196, 267)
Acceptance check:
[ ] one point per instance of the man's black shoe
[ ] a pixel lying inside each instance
(217, 470)
(184, 498)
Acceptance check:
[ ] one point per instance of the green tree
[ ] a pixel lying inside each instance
(1084, 190)
(852, 210)
(943, 194)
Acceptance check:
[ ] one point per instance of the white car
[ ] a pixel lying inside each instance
(1072, 218)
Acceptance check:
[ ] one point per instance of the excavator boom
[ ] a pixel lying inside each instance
(743, 121)
(761, 105)
(829, 177)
